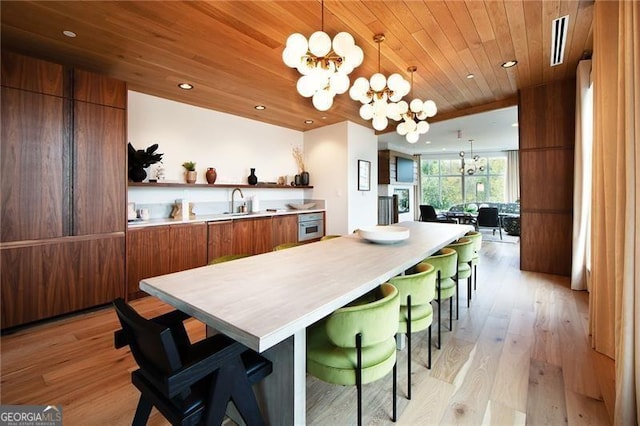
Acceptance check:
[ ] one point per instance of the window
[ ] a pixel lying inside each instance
(443, 185)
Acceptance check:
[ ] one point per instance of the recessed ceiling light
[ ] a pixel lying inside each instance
(427, 142)
(69, 33)
(470, 76)
(308, 121)
(509, 64)
(185, 86)
(260, 107)
(324, 117)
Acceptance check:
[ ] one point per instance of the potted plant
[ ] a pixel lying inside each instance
(139, 160)
(190, 167)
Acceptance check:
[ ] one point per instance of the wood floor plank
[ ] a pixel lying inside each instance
(512, 377)
(545, 400)
(499, 414)
(584, 410)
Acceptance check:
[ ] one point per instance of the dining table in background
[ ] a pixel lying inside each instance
(267, 301)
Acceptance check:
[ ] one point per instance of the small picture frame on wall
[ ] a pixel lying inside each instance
(364, 175)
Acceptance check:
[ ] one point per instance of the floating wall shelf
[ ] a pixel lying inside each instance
(215, 185)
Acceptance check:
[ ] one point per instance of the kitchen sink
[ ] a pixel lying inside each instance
(236, 214)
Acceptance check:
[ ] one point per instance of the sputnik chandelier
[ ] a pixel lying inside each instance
(325, 65)
(375, 94)
(414, 115)
(475, 163)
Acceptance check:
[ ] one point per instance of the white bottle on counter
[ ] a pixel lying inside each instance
(185, 209)
(255, 204)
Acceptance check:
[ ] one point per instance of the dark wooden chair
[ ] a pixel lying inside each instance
(489, 217)
(428, 214)
(188, 383)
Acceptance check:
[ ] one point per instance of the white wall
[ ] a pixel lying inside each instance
(332, 154)
(229, 143)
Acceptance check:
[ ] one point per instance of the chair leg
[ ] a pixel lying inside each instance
(395, 389)
(475, 276)
(457, 299)
(451, 314)
(500, 232)
(142, 412)
(440, 309)
(429, 348)
(409, 347)
(359, 375)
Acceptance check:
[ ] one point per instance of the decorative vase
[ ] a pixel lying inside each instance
(304, 178)
(191, 177)
(137, 174)
(297, 180)
(211, 175)
(252, 178)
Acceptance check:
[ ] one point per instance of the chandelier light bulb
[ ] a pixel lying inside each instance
(413, 114)
(322, 100)
(412, 137)
(377, 82)
(319, 43)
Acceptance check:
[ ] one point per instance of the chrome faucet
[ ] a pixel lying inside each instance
(233, 193)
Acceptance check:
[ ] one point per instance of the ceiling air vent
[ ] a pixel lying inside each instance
(558, 39)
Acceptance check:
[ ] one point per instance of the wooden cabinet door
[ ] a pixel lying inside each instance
(99, 169)
(252, 236)
(285, 229)
(148, 255)
(35, 197)
(31, 74)
(99, 89)
(219, 239)
(43, 280)
(188, 244)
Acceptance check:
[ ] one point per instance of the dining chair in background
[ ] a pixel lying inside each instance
(356, 344)
(489, 217)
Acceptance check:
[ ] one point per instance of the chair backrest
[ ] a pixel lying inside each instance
(488, 216)
(465, 249)
(377, 321)
(420, 286)
(427, 213)
(476, 237)
(152, 345)
(284, 246)
(227, 258)
(329, 237)
(444, 260)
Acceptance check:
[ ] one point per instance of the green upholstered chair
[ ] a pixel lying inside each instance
(465, 249)
(356, 344)
(227, 258)
(445, 262)
(476, 237)
(416, 313)
(284, 246)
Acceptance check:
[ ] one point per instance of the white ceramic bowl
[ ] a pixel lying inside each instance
(384, 234)
(306, 206)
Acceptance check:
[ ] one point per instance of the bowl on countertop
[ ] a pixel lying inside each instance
(384, 234)
(306, 206)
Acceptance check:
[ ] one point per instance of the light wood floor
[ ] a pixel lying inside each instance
(518, 355)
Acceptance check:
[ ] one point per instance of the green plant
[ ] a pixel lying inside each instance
(190, 166)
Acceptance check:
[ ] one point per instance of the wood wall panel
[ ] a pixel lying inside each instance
(387, 171)
(148, 255)
(34, 181)
(99, 89)
(549, 177)
(219, 239)
(99, 172)
(544, 245)
(34, 75)
(547, 132)
(51, 279)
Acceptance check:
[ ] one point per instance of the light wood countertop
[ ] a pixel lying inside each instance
(261, 300)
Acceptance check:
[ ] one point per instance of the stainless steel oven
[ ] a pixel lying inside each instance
(310, 226)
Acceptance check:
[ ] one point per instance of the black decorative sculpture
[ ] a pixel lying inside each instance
(141, 159)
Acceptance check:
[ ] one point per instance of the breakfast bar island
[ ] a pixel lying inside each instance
(267, 301)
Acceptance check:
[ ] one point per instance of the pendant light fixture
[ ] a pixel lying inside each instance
(379, 94)
(414, 115)
(475, 163)
(325, 65)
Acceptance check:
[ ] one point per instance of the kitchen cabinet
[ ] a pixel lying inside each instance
(159, 250)
(63, 189)
(252, 236)
(285, 229)
(219, 239)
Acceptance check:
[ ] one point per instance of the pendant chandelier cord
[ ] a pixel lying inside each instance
(322, 15)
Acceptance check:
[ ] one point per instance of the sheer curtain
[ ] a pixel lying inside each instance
(417, 188)
(614, 305)
(513, 176)
(582, 176)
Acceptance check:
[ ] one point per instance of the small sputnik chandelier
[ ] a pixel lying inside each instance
(379, 94)
(474, 164)
(325, 65)
(414, 115)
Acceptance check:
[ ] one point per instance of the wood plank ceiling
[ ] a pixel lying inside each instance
(231, 50)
